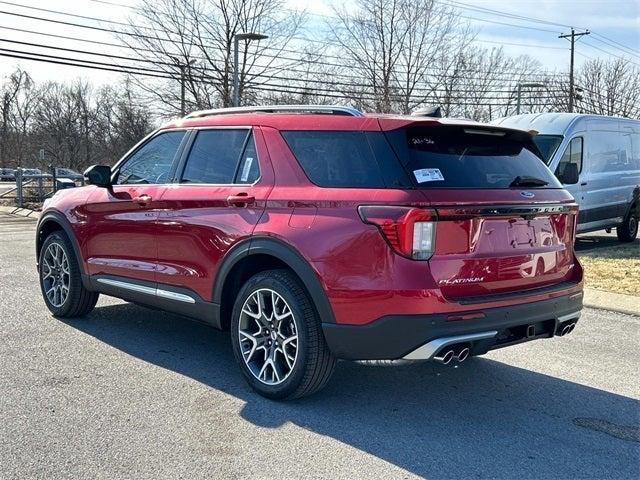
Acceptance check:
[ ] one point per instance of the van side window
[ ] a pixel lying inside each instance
(572, 154)
(632, 149)
(606, 152)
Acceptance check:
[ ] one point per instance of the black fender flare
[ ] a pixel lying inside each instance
(59, 219)
(285, 253)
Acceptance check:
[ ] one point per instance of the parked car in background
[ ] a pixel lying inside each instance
(7, 174)
(315, 233)
(597, 159)
(31, 172)
(68, 173)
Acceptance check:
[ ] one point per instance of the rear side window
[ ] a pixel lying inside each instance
(468, 157)
(216, 156)
(336, 158)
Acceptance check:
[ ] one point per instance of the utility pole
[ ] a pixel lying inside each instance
(183, 82)
(572, 36)
(182, 91)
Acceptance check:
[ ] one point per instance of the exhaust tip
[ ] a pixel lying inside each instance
(462, 355)
(565, 330)
(571, 327)
(444, 358)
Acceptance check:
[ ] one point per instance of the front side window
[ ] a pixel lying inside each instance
(151, 163)
(572, 154)
(222, 157)
(547, 144)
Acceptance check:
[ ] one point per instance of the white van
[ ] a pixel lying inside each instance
(597, 159)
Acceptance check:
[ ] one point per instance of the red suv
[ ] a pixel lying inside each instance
(320, 233)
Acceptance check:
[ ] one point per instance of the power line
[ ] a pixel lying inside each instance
(609, 53)
(416, 90)
(278, 57)
(267, 87)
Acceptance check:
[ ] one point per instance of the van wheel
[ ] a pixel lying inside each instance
(277, 339)
(628, 231)
(60, 279)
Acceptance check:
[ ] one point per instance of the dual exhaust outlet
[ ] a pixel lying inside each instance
(458, 353)
(565, 330)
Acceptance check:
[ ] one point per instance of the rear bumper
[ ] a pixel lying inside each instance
(408, 336)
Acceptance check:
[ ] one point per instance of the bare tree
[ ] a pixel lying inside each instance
(193, 39)
(393, 46)
(609, 88)
(15, 111)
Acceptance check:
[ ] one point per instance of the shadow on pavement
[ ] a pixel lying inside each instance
(486, 419)
(601, 239)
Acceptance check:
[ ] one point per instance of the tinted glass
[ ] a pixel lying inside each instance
(152, 162)
(465, 157)
(547, 144)
(248, 170)
(572, 154)
(335, 159)
(214, 156)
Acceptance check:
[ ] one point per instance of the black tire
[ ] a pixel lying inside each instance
(79, 300)
(314, 363)
(628, 231)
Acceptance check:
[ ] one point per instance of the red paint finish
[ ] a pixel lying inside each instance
(182, 233)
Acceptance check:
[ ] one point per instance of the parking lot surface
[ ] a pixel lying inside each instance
(130, 392)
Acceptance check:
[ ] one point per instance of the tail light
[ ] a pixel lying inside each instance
(410, 231)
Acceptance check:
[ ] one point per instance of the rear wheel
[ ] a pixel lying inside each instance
(277, 338)
(628, 231)
(60, 279)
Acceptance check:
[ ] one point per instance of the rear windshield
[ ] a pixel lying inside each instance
(547, 144)
(465, 157)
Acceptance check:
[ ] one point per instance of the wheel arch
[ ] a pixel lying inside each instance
(53, 221)
(259, 254)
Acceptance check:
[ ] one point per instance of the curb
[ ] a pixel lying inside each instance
(615, 302)
(22, 212)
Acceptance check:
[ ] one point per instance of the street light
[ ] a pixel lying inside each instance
(525, 85)
(236, 80)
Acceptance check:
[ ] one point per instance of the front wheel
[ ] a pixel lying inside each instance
(277, 338)
(628, 231)
(60, 279)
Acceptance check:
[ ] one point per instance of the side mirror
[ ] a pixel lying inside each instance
(569, 175)
(98, 175)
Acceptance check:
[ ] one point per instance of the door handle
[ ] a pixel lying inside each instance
(583, 184)
(143, 200)
(240, 200)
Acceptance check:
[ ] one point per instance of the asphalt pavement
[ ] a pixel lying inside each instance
(129, 392)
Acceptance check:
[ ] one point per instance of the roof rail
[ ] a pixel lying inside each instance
(330, 109)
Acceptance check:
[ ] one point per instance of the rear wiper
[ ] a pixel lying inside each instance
(526, 181)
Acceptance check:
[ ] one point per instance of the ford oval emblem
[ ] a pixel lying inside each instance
(527, 194)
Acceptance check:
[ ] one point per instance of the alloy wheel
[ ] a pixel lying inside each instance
(55, 274)
(268, 336)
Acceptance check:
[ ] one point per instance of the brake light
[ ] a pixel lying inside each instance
(410, 231)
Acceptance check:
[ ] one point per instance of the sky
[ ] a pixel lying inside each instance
(615, 25)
